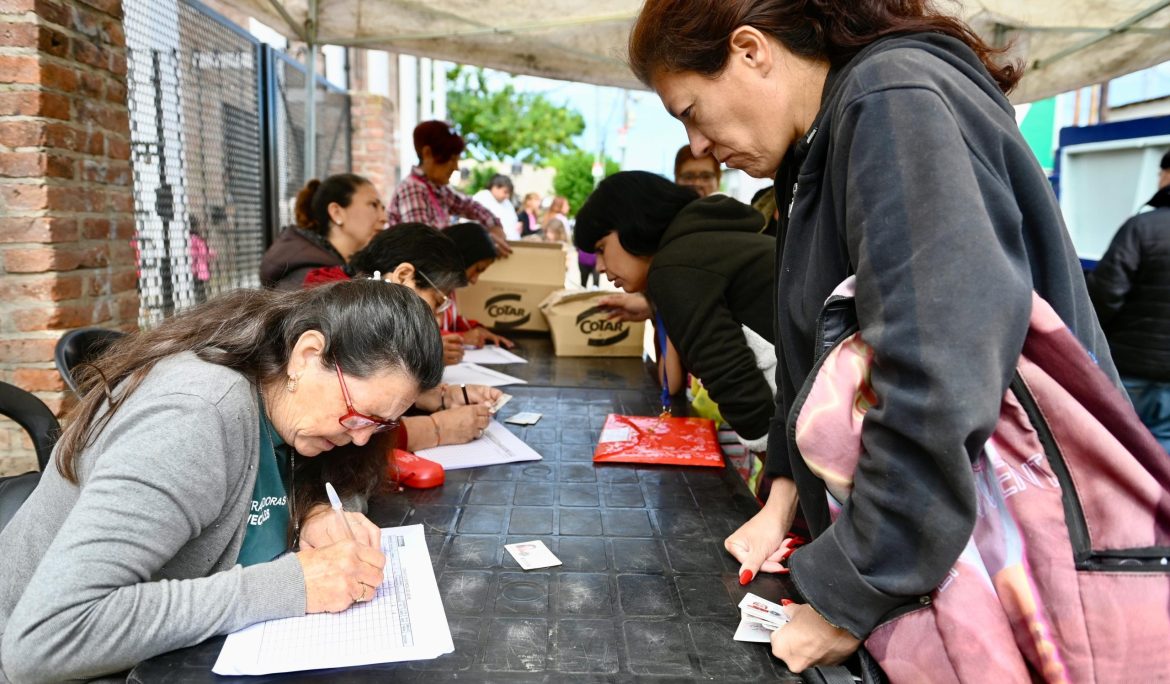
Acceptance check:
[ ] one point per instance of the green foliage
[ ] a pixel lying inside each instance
(505, 125)
(574, 179)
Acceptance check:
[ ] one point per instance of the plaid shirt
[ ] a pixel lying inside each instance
(419, 200)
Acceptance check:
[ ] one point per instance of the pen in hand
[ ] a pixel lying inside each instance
(335, 502)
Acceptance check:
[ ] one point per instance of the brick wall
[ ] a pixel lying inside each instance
(66, 204)
(375, 154)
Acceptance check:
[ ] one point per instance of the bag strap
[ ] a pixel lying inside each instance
(836, 674)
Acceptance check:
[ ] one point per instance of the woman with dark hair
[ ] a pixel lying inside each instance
(897, 159)
(479, 252)
(702, 264)
(334, 218)
(426, 195)
(425, 260)
(196, 461)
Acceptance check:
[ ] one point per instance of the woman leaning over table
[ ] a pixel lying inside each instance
(198, 451)
(897, 159)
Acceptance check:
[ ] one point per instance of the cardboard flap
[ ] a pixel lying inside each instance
(567, 297)
(537, 263)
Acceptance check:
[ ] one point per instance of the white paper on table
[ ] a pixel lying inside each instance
(498, 445)
(752, 631)
(490, 354)
(474, 374)
(404, 621)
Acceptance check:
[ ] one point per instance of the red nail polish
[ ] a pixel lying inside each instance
(786, 602)
(745, 577)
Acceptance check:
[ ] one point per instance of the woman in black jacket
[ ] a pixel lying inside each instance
(897, 159)
(703, 265)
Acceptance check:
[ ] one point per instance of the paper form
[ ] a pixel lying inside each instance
(490, 354)
(404, 621)
(498, 445)
(473, 374)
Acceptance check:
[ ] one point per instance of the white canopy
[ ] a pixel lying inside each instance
(1065, 43)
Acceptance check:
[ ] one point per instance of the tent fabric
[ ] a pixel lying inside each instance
(586, 41)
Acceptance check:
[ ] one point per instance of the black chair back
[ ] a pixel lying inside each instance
(81, 346)
(32, 415)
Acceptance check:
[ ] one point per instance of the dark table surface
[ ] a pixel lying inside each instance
(645, 593)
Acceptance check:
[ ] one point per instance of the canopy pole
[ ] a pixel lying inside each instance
(310, 146)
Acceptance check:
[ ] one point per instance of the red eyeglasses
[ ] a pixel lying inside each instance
(360, 421)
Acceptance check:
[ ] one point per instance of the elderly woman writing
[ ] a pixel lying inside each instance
(196, 461)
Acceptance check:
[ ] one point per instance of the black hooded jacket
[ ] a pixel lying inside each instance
(707, 279)
(916, 179)
(295, 252)
(1131, 291)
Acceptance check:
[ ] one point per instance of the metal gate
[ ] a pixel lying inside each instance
(217, 150)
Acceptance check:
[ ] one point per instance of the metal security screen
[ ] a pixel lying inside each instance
(217, 137)
(333, 131)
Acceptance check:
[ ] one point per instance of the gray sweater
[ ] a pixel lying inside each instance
(140, 558)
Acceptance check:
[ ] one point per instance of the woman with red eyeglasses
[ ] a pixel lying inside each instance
(187, 495)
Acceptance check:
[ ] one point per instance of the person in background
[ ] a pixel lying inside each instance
(334, 218)
(497, 197)
(187, 495)
(425, 260)
(426, 196)
(529, 223)
(702, 175)
(875, 120)
(702, 264)
(1131, 292)
(478, 252)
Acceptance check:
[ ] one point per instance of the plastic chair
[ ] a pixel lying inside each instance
(32, 415)
(42, 426)
(81, 346)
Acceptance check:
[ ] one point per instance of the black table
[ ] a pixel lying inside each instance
(646, 592)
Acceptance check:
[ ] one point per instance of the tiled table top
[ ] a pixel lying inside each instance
(646, 592)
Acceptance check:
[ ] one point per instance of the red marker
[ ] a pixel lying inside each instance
(745, 577)
(786, 602)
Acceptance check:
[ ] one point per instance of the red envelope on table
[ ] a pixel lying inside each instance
(658, 440)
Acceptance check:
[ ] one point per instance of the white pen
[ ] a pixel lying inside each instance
(335, 502)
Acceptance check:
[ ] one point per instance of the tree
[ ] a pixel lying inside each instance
(574, 177)
(506, 125)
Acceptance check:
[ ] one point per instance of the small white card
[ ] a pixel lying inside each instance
(753, 631)
(532, 555)
(763, 610)
(621, 434)
(524, 418)
(504, 399)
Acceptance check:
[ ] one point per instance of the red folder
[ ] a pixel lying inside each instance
(658, 440)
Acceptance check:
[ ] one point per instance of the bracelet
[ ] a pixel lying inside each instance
(438, 435)
(465, 399)
(443, 397)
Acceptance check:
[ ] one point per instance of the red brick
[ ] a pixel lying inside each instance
(23, 197)
(116, 92)
(124, 281)
(90, 54)
(53, 12)
(37, 229)
(41, 259)
(110, 7)
(118, 64)
(114, 34)
(121, 202)
(28, 350)
(18, 34)
(121, 254)
(92, 84)
(117, 148)
(95, 143)
(86, 21)
(33, 164)
(33, 103)
(38, 379)
(96, 229)
(51, 287)
(19, 69)
(17, 6)
(60, 403)
(127, 308)
(59, 77)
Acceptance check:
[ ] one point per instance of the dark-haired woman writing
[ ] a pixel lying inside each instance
(195, 460)
(897, 159)
(334, 218)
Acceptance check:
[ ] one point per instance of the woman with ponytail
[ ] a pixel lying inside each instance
(187, 496)
(334, 218)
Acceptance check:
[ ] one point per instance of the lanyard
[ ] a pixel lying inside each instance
(660, 332)
(443, 218)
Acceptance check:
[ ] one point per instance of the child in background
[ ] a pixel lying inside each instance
(479, 252)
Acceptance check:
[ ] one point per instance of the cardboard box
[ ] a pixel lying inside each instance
(581, 328)
(508, 294)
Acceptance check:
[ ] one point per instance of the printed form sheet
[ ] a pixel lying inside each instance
(404, 621)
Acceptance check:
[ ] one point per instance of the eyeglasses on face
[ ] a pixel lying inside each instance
(692, 176)
(353, 420)
(446, 302)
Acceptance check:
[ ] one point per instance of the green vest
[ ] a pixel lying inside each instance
(266, 536)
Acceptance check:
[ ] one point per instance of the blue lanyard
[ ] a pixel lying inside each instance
(660, 331)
